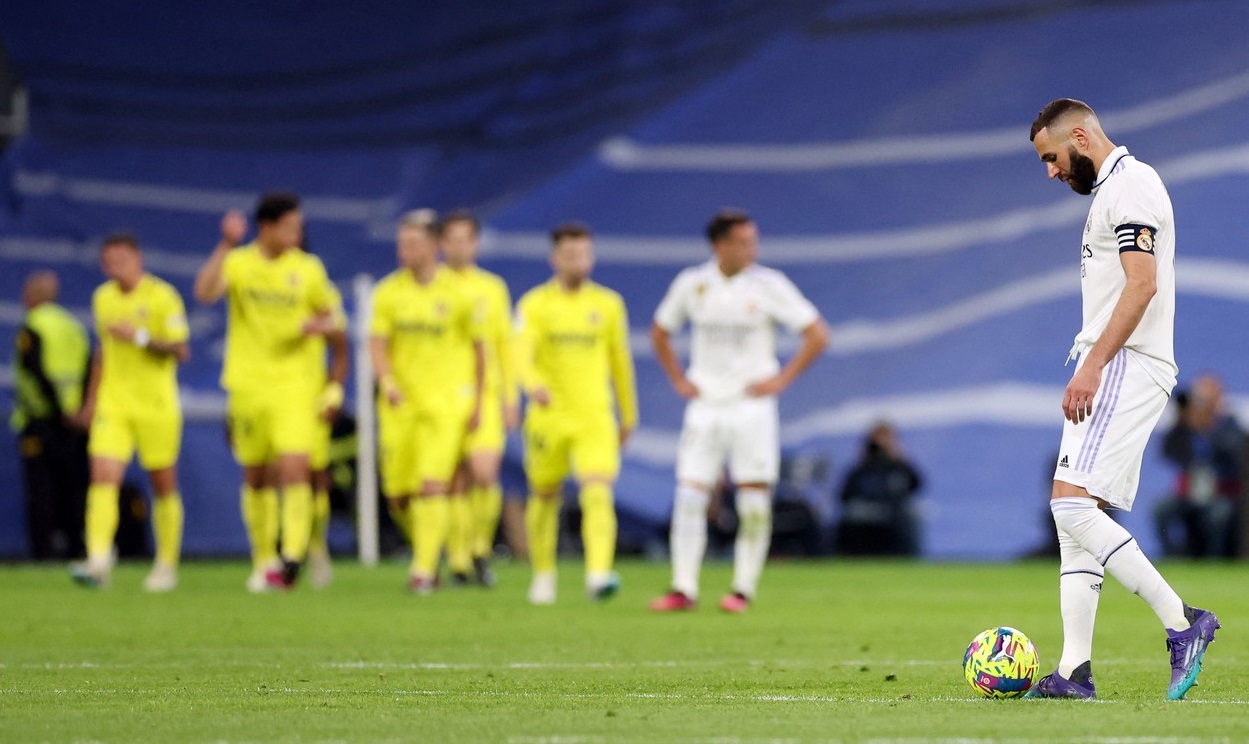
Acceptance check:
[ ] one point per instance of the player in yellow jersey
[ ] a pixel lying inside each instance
(478, 501)
(573, 359)
(278, 301)
(425, 345)
(132, 403)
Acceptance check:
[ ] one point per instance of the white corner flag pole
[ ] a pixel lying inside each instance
(366, 428)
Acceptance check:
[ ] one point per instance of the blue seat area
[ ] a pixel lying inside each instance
(882, 148)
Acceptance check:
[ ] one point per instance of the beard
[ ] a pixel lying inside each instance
(1083, 175)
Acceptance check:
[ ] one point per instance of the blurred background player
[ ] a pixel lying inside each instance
(1207, 446)
(426, 348)
(328, 406)
(732, 305)
(572, 346)
(279, 299)
(132, 403)
(50, 367)
(477, 503)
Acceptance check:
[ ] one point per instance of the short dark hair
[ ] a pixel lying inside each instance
(121, 237)
(723, 222)
(570, 229)
(274, 205)
(462, 215)
(1054, 110)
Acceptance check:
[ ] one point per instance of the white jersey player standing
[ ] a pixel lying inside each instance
(1121, 385)
(733, 307)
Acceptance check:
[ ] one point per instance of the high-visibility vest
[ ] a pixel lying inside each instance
(65, 351)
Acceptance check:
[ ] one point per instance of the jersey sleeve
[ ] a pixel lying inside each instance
(673, 309)
(621, 360)
(98, 308)
(173, 328)
(232, 266)
(338, 316)
(1137, 214)
(382, 321)
(503, 342)
(788, 306)
(319, 286)
(525, 343)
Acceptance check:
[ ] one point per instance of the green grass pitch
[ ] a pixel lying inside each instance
(833, 651)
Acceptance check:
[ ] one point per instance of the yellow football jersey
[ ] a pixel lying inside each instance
(493, 307)
(132, 377)
(430, 330)
(269, 301)
(576, 344)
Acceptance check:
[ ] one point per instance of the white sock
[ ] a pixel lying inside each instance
(754, 536)
(1113, 547)
(1079, 588)
(688, 538)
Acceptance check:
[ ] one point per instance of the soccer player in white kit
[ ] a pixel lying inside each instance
(733, 306)
(1122, 381)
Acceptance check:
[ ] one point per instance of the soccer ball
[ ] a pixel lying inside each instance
(1001, 663)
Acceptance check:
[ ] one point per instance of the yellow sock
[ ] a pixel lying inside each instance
(260, 516)
(460, 534)
(103, 514)
(401, 514)
(598, 527)
(320, 522)
(296, 521)
(542, 528)
(431, 516)
(487, 504)
(167, 526)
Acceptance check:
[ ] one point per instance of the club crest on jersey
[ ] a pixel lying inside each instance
(292, 280)
(593, 317)
(701, 289)
(441, 309)
(1145, 240)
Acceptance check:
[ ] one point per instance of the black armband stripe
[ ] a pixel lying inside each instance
(1136, 237)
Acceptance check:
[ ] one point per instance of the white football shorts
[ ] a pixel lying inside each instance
(743, 433)
(1103, 453)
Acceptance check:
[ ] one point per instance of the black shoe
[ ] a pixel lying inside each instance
(485, 574)
(459, 579)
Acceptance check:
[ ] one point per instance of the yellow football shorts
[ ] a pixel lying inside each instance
(558, 445)
(489, 435)
(156, 435)
(419, 445)
(319, 455)
(264, 425)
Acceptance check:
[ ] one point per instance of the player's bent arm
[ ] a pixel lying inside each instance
(210, 282)
(661, 341)
(815, 339)
(179, 350)
(1141, 270)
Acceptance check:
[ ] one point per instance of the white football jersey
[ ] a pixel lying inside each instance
(1131, 211)
(733, 324)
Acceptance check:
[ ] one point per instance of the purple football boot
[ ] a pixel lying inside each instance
(1187, 648)
(1079, 687)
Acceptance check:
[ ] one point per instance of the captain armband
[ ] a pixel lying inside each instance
(1136, 237)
